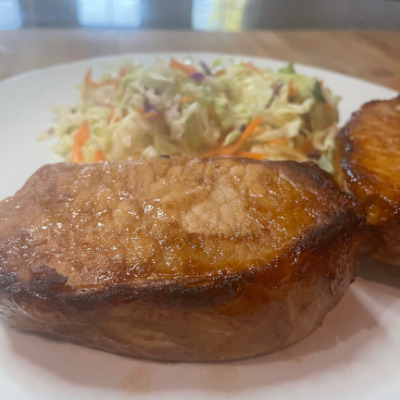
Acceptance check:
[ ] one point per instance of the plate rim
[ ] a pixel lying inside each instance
(98, 60)
(196, 54)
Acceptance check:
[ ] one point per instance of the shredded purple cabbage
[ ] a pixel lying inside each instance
(148, 107)
(205, 67)
(198, 77)
(315, 154)
(275, 94)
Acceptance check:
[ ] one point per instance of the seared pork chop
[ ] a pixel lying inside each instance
(177, 259)
(368, 149)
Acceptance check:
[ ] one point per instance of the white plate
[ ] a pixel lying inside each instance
(354, 355)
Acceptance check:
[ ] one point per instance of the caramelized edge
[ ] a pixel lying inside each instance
(349, 220)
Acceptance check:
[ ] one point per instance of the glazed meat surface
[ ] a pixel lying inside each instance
(121, 223)
(196, 253)
(369, 152)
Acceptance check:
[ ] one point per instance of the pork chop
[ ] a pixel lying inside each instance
(368, 152)
(177, 259)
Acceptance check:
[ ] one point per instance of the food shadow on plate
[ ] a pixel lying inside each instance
(339, 340)
(373, 270)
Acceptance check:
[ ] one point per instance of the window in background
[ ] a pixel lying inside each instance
(10, 15)
(221, 15)
(117, 13)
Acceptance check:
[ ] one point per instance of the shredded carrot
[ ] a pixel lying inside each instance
(249, 154)
(235, 147)
(113, 117)
(291, 90)
(188, 69)
(140, 111)
(151, 114)
(213, 114)
(112, 113)
(252, 67)
(328, 106)
(99, 156)
(282, 142)
(187, 99)
(90, 83)
(88, 80)
(247, 133)
(88, 77)
(122, 72)
(81, 137)
(220, 73)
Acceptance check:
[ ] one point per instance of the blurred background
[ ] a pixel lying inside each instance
(203, 15)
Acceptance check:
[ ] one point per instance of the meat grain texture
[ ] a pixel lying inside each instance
(368, 166)
(177, 259)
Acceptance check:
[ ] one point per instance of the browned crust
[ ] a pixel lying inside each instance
(367, 175)
(356, 177)
(347, 148)
(200, 291)
(260, 318)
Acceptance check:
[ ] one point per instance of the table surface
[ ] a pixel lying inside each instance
(369, 55)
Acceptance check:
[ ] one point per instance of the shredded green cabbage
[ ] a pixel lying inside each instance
(181, 109)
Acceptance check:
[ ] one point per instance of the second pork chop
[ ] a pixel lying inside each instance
(368, 153)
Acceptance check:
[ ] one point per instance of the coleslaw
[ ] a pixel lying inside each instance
(176, 108)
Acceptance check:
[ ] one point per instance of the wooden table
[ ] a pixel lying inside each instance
(370, 55)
